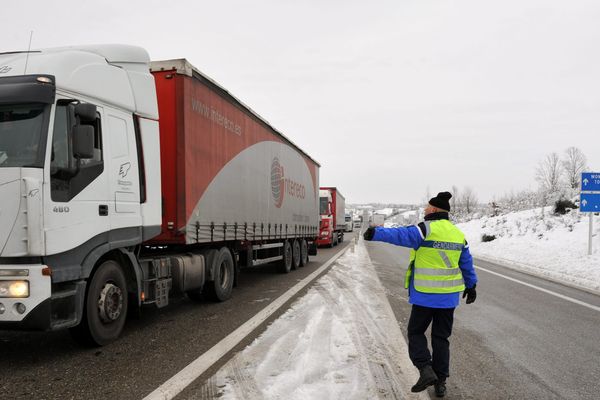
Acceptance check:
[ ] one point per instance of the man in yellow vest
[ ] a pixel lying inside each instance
(440, 268)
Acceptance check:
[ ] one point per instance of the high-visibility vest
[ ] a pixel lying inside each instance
(435, 263)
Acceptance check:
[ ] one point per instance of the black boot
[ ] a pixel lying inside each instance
(427, 378)
(440, 388)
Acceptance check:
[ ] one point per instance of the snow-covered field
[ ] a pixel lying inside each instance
(538, 242)
(340, 341)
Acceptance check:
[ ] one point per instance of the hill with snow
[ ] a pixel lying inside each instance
(539, 242)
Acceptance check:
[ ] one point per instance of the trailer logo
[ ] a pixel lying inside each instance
(281, 185)
(277, 182)
(4, 69)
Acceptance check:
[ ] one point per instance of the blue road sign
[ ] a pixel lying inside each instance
(589, 202)
(590, 181)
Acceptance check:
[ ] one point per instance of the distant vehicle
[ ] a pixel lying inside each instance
(349, 224)
(378, 219)
(357, 223)
(333, 224)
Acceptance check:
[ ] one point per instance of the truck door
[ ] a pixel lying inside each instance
(78, 188)
(123, 171)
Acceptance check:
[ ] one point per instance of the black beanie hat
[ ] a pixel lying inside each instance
(442, 200)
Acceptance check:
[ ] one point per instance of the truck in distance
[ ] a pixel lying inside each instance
(349, 223)
(333, 224)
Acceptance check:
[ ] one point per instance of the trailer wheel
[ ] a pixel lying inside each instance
(295, 254)
(341, 237)
(221, 287)
(286, 262)
(105, 309)
(303, 252)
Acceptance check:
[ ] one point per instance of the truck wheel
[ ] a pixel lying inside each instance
(105, 307)
(336, 237)
(303, 252)
(341, 237)
(332, 241)
(295, 254)
(286, 262)
(221, 287)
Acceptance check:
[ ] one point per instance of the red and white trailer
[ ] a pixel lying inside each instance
(145, 179)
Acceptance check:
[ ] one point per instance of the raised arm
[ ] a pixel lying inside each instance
(409, 236)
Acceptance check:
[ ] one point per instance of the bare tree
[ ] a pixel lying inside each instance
(454, 197)
(573, 163)
(468, 199)
(548, 173)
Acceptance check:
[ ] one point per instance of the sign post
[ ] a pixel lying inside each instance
(590, 199)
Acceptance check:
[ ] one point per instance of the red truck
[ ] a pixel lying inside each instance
(332, 207)
(145, 180)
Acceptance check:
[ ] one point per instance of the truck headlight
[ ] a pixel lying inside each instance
(14, 289)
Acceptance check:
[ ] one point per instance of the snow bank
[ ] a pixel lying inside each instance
(340, 341)
(538, 242)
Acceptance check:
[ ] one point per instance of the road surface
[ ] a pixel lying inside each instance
(50, 365)
(515, 341)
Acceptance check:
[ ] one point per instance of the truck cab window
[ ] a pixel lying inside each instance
(323, 205)
(69, 175)
(23, 128)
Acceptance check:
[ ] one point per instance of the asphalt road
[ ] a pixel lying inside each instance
(514, 342)
(50, 365)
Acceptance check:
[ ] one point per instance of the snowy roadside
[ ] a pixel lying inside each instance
(340, 341)
(554, 247)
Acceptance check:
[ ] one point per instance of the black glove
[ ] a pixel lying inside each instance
(470, 294)
(369, 233)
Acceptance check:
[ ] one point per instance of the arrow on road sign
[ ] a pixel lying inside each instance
(585, 182)
(584, 202)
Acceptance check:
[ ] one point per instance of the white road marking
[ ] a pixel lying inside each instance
(561, 296)
(192, 371)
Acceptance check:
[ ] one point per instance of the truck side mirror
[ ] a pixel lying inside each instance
(86, 112)
(83, 141)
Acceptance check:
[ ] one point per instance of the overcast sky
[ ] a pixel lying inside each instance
(390, 97)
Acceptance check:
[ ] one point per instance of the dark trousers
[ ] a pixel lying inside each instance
(420, 318)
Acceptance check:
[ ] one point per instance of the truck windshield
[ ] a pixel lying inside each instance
(22, 131)
(323, 202)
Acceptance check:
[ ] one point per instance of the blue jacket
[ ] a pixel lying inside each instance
(412, 236)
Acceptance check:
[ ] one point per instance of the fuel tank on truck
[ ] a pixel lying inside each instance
(226, 173)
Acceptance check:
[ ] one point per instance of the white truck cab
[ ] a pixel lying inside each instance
(73, 193)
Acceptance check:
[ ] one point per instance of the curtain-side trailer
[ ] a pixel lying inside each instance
(124, 182)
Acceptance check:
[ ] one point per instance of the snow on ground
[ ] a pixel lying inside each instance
(340, 341)
(385, 211)
(552, 246)
(404, 218)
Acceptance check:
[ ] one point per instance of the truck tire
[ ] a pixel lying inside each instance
(332, 241)
(336, 237)
(303, 252)
(341, 237)
(296, 254)
(221, 287)
(105, 309)
(286, 261)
